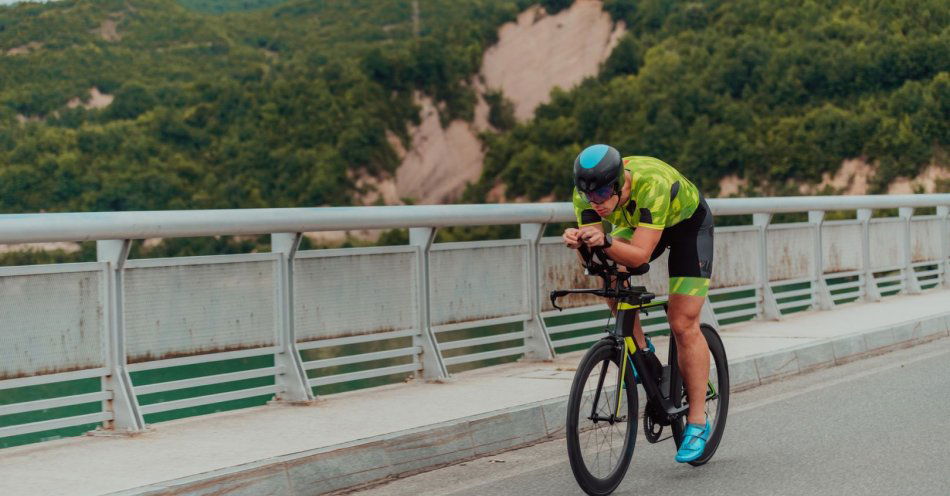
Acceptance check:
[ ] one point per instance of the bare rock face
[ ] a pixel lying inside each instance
(532, 56)
(731, 185)
(97, 100)
(852, 178)
(440, 161)
(540, 51)
(108, 30)
(25, 49)
(927, 180)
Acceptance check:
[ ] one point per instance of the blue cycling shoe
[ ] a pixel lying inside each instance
(694, 443)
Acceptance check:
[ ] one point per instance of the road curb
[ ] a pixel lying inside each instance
(406, 452)
(772, 366)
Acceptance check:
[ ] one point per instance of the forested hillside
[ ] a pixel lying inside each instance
(278, 106)
(776, 93)
(158, 104)
(222, 6)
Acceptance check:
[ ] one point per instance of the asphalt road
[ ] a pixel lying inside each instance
(876, 426)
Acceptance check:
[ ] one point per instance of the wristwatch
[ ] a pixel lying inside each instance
(608, 240)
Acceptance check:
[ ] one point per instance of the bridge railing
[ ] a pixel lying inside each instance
(97, 341)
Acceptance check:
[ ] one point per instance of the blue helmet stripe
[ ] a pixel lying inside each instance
(592, 155)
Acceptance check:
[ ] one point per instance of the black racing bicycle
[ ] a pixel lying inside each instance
(603, 404)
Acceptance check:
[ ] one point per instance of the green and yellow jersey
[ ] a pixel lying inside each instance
(660, 197)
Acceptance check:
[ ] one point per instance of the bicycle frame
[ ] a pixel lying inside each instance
(623, 332)
(664, 385)
(630, 301)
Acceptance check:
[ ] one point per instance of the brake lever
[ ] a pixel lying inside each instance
(554, 296)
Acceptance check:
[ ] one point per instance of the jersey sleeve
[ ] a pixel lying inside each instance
(653, 203)
(622, 233)
(584, 212)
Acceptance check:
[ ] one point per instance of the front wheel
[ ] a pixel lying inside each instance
(601, 436)
(717, 397)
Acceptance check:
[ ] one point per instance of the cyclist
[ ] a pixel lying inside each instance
(651, 207)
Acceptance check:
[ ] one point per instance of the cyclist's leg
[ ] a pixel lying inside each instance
(692, 352)
(690, 266)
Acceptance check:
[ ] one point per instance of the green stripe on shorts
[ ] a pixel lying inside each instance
(693, 286)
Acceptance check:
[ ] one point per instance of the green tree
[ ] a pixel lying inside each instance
(132, 99)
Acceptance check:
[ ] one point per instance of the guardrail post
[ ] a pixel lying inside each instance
(821, 296)
(124, 405)
(944, 214)
(911, 284)
(433, 367)
(293, 379)
(537, 342)
(871, 292)
(768, 307)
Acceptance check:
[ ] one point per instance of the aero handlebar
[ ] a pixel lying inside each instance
(616, 281)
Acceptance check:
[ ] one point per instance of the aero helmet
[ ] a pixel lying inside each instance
(598, 173)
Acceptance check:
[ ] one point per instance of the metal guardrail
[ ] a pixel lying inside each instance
(416, 305)
(36, 228)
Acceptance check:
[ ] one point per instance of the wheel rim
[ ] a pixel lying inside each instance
(712, 404)
(602, 444)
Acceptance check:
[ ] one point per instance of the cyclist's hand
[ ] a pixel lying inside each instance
(571, 238)
(593, 237)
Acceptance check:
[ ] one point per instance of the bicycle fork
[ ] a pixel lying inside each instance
(614, 416)
(625, 318)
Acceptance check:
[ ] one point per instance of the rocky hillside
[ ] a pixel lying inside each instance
(150, 104)
(534, 54)
(750, 97)
(156, 104)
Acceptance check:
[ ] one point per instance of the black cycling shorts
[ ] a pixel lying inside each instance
(691, 252)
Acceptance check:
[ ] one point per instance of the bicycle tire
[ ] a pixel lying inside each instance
(578, 423)
(718, 352)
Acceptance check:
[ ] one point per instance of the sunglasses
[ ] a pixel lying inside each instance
(601, 194)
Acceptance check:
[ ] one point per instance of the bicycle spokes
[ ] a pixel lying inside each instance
(604, 430)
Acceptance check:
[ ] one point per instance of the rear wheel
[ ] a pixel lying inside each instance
(717, 396)
(599, 441)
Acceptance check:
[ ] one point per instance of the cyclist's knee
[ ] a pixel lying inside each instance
(684, 324)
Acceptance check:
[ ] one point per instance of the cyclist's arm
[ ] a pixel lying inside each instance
(632, 253)
(637, 251)
(653, 202)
